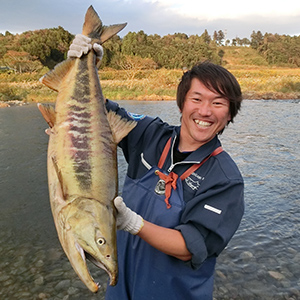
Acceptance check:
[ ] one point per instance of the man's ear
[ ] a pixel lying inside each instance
(229, 117)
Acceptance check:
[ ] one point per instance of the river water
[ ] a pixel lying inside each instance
(262, 261)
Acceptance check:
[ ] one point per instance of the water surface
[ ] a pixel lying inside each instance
(261, 261)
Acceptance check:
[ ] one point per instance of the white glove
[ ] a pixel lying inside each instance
(127, 219)
(82, 45)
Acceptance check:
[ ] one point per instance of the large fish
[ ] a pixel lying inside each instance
(82, 159)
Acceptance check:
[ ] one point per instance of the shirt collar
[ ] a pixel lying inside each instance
(198, 155)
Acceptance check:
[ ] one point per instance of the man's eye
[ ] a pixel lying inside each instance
(219, 103)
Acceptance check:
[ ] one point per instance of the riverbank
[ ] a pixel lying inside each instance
(12, 103)
(158, 85)
(246, 96)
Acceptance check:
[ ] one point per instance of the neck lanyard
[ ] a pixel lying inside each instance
(171, 179)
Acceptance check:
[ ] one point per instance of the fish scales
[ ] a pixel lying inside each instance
(82, 129)
(82, 159)
(80, 126)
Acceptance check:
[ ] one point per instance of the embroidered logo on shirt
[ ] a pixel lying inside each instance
(136, 117)
(194, 181)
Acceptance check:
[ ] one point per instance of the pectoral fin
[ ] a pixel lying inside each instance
(48, 112)
(61, 189)
(120, 127)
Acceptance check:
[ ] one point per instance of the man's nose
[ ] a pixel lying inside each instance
(205, 109)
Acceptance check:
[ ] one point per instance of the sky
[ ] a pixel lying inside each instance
(235, 18)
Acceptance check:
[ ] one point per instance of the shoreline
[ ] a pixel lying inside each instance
(276, 96)
(246, 96)
(271, 96)
(12, 103)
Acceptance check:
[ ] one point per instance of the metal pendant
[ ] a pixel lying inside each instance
(160, 187)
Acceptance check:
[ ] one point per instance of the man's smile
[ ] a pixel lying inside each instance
(202, 123)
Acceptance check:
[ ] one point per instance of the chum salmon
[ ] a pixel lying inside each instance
(82, 159)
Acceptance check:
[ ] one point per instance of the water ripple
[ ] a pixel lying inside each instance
(261, 261)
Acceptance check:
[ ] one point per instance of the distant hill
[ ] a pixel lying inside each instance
(242, 56)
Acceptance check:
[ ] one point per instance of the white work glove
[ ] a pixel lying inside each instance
(82, 45)
(127, 219)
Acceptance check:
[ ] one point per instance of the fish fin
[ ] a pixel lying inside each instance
(94, 28)
(120, 127)
(54, 78)
(59, 177)
(110, 31)
(48, 112)
(92, 25)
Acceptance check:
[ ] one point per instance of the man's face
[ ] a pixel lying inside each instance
(204, 114)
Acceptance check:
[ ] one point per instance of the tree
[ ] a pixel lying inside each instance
(280, 49)
(132, 65)
(112, 49)
(48, 45)
(7, 33)
(205, 37)
(218, 37)
(257, 39)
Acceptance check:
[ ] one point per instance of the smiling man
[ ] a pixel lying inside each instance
(207, 103)
(183, 193)
(183, 196)
(204, 114)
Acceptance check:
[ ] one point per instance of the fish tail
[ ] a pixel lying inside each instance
(94, 28)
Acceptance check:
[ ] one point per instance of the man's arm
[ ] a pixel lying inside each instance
(166, 240)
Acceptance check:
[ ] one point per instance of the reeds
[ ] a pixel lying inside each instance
(256, 83)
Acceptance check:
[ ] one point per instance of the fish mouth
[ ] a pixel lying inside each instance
(87, 255)
(112, 277)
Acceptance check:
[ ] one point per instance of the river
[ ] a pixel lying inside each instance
(262, 261)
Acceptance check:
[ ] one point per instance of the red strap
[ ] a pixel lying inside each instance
(170, 182)
(194, 167)
(171, 179)
(164, 154)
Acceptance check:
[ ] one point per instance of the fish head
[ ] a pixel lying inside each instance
(89, 232)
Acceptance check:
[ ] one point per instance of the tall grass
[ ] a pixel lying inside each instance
(256, 83)
(263, 82)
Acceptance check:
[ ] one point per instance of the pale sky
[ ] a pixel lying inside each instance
(235, 18)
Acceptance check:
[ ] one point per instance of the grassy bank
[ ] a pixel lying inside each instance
(256, 83)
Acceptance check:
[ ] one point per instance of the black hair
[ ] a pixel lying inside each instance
(216, 79)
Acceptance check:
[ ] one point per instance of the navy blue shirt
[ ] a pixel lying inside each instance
(214, 193)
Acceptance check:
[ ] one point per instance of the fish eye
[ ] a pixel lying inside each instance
(101, 241)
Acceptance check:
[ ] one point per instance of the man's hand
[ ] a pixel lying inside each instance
(82, 45)
(127, 219)
(167, 240)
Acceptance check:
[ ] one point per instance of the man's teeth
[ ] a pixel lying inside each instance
(202, 123)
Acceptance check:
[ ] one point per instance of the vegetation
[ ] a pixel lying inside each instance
(142, 66)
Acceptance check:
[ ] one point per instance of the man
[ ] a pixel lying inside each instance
(183, 195)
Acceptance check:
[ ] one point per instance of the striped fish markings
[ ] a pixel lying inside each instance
(82, 159)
